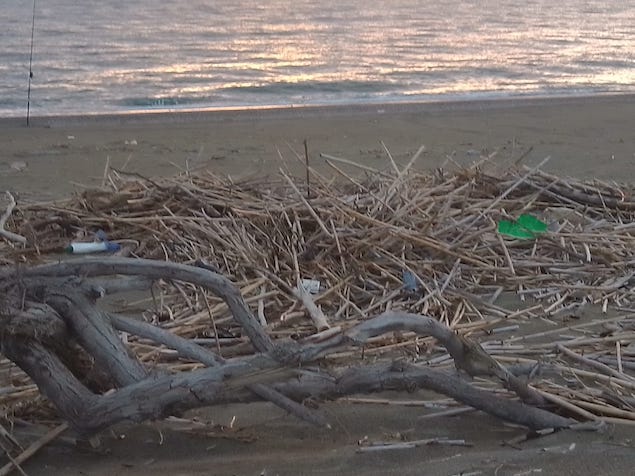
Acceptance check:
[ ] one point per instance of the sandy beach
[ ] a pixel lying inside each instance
(584, 137)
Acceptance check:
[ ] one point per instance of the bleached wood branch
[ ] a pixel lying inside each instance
(9, 235)
(278, 373)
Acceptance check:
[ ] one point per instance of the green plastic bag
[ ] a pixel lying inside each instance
(526, 227)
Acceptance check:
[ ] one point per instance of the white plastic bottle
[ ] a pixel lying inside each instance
(93, 247)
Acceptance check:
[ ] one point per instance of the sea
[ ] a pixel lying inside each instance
(126, 56)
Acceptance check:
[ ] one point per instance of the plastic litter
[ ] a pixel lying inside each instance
(94, 247)
(311, 285)
(410, 283)
(100, 245)
(100, 235)
(526, 227)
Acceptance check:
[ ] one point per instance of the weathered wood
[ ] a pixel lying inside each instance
(52, 377)
(468, 355)
(184, 347)
(40, 323)
(404, 377)
(117, 285)
(37, 321)
(156, 397)
(268, 393)
(93, 331)
(218, 284)
(159, 397)
(190, 350)
(275, 373)
(9, 235)
(401, 376)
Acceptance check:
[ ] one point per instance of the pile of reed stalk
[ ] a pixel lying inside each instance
(556, 307)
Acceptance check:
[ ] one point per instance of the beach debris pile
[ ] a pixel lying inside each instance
(320, 255)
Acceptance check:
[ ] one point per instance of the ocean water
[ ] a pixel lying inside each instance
(105, 56)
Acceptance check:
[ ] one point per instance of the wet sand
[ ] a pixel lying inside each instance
(283, 446)
(585, 137)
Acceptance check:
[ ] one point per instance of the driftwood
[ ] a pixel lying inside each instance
(396, 239)
(9, 235)
(49, 319)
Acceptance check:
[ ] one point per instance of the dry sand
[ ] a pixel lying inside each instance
(586, 137)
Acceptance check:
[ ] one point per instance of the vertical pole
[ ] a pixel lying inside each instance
(28, 94)
(306, 160)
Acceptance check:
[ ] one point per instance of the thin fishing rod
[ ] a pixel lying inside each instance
(28, 93)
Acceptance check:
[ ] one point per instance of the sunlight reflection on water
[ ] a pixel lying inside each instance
(113, 55)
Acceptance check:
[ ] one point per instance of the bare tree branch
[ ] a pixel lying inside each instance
(278, 373)
(184, 347)
(93, 331)
(468, 355)
(9, 235)
(216, 283)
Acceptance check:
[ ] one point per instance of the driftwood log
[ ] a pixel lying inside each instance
(51, 327)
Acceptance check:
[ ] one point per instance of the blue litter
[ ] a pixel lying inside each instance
(410, 283)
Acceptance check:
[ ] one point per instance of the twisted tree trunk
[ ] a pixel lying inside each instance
(49, 317)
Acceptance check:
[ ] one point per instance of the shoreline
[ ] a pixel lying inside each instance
(589, 137)
(211, 114)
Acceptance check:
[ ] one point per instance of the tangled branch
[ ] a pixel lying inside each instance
(60, 316)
